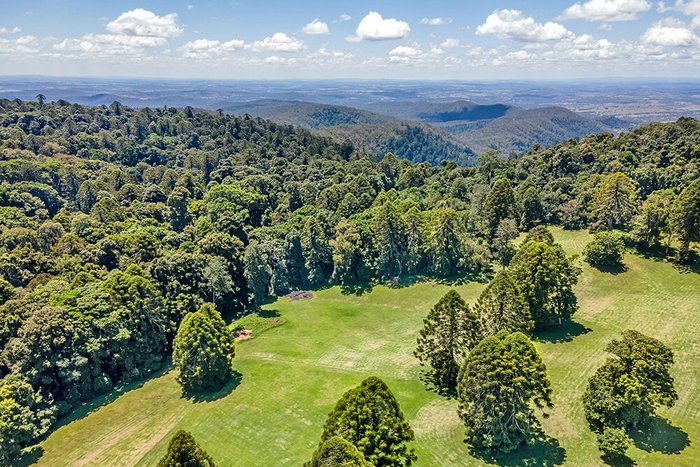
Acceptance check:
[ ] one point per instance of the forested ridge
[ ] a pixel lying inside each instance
(115, 223)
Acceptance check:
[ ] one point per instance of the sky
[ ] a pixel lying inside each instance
(275, 39)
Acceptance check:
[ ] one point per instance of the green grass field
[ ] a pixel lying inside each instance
(293, 373)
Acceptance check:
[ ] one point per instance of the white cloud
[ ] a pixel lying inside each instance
(606, 10)
(374, 27)
(449, 43)
(511, 24)
(519, 55)
(436, 21)
(14, 30)
(106, 45)
(688, 8)
(670, 33)
(344, 17)
(405, 51)
(205, 48)
(140, 22)
(315, 27)
(21, 45)
(278, 42)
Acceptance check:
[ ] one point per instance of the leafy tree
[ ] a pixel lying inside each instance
(177, 202)
(627, 389)
(502, 245)
(546, 277)
(257, 271)
(532, 209)
(498, 205)
(685, 217)
(203, 350)
(369, 417)
(337, 452)
(317, 252)
(40, 98)
(445, 243)
(183, 451)
(651, 223)
(498, 383)
(347, 253)
(6, 291)
(389, 239)
(449, 331)
(24, 416)
(615, 201)
(613, 442)
(502, 307)
(539, 234)
(605, 250)
(219, 279)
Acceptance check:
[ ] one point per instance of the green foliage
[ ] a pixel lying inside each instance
(502, 307)
(203, 350)
(499, 205)
(369, 417)
(6, 291)
(627, 389)
(500, 379)
(532, 210)
(651, 224)
(24, 416)
(685, 217)
(615, 201)
(545, 276)
(337, 452)
(613, 442)
(183, 451)
(605, 250)
(449, 331)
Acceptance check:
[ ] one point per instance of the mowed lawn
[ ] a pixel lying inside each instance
(292, 375)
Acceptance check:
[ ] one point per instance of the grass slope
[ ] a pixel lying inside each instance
(293, 374)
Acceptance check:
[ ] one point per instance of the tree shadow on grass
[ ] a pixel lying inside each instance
(546, 452)
(216, 394)
(613, 269)
(564, 333)
(30, 456)
(268, 313)
(618, 461)
(690, 265)
(356, 289)
(428, 380)
(660, 436)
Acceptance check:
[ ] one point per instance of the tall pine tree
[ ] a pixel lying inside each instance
(183, 451)
(498, 205)
(502, 307)
(449, 331)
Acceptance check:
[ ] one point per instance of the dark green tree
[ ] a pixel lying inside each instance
(317, 252)
(532, 209)
(502, 307)
(500, 380)
(203, 350)
(369, 417)
(445, 249)
(449, 331)
(613, 443)
(685, 218)
(389, 239)
(337, 452)
(605, 250)
(498, 205)
(651, 224)
(628, 388)
(546, 277)
(6, 291)
(257, 271)
(502, 243)
(183, 451)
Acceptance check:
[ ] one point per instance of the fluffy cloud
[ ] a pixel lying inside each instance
(511, 24)
(344, 17)
(205, 48)
(14, 30)
(687, 7)
(21, 45)
(405, 51)
(436, 21)
(670, 33)
(278, 42)
(449, 43)
(315, 27)
(374, 27)
(606, 10)
(140, 22)
(106, 45)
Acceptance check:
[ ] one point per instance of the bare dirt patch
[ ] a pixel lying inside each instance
(300, 295)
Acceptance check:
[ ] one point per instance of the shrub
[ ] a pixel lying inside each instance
(605, 250)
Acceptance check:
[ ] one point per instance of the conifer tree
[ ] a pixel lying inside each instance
(533, 212)
(337, 452)
(449, 331)
(498, 205)
(203, 350)
(685, 217)
(615, 201)
(370, 418)
(183, 451)
(389, 238)
(502, 307)
(500, 380)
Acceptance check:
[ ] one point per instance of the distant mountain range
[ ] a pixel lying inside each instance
(433, 131)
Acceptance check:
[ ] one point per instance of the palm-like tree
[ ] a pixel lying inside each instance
(40, 98)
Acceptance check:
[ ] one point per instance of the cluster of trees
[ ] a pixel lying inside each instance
(118, 223)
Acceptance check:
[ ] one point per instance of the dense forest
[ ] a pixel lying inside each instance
(118, 223)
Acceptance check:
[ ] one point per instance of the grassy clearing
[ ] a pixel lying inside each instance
(292, 375)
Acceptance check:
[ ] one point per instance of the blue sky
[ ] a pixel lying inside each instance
(276, 39)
